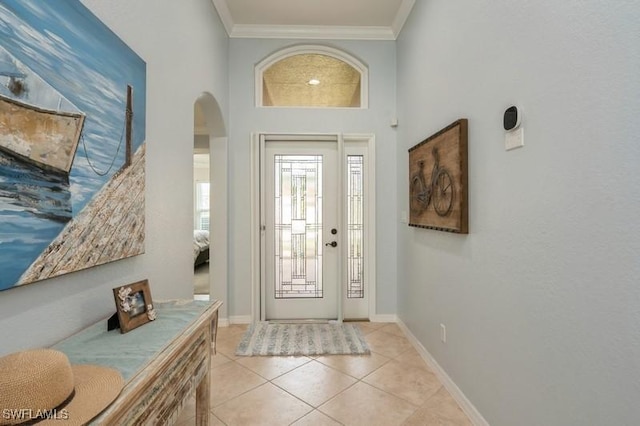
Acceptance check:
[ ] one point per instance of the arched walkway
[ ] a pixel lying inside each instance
(211, 124)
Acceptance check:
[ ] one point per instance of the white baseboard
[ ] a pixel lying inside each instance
(384, 318)
(469, 409)
(246, 319)
(240, 319)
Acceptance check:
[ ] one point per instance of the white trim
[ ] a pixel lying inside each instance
(223, 322)
(219, 220)
(342, 215)
(401, 18)
(384, 318)
(225, 14)
(240, 319)
(256, 212)
(469, 409)
(312, 49)
(312, 32)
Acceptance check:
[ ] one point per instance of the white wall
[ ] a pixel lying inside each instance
(246, 118)
(541, 299)
(185, 47)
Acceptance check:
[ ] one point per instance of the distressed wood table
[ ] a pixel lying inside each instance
(162, 362)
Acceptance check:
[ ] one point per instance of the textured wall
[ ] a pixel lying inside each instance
(540, 300)
(185, 48)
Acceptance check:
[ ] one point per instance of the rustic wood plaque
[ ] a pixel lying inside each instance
(438, 180)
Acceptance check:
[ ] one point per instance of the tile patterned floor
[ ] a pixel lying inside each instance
(392, 386)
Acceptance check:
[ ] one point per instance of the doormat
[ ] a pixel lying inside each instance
(269, 339)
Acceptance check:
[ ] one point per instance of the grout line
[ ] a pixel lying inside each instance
(387, 358)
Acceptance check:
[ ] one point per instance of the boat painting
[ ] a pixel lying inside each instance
(46, 138)
(34, 191)
(63, 82)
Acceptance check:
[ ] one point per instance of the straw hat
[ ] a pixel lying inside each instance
(40, 385)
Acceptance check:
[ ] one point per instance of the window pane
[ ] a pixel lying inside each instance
(203, 196)
(202, 206)
(203, 221)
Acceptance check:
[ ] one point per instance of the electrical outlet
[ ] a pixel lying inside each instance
(443, 333)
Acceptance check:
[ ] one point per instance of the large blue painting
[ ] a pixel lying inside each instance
(71, 151)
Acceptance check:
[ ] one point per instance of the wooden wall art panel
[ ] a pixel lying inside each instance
(438, 180)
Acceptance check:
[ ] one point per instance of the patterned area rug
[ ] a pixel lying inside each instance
(264, 338)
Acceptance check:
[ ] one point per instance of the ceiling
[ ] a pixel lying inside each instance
(314, 19)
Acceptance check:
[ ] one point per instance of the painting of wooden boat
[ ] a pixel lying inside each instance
(34, 191)
(72, 145)
(45, 138)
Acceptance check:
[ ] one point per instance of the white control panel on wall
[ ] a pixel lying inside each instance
(514, 139)
(514, 136)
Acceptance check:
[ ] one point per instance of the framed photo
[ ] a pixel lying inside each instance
(134, 305)
(438, 180)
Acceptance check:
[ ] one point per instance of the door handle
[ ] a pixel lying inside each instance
(332, 244)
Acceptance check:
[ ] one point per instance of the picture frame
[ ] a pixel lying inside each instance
(438, 180)
(134, 305)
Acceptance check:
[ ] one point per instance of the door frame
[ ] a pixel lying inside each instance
(257, 229)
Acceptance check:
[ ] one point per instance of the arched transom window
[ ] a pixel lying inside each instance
(311, 76)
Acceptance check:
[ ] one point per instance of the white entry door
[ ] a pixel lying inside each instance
(301, 230)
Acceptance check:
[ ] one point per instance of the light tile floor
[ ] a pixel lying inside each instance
(392, 386)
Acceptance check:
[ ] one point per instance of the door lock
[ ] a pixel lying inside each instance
(332, 244)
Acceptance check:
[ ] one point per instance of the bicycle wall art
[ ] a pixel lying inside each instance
(438, 180)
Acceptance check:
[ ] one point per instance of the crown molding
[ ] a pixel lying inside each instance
(224, 14)
(311, 32)
(314, 32)
(401, 18)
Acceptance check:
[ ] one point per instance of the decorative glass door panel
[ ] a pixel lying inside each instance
(357, 252)
(355, 227)
(301, 266)
(298, 226)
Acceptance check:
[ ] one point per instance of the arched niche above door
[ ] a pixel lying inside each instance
(311, 76)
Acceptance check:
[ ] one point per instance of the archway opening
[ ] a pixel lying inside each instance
(210, 201)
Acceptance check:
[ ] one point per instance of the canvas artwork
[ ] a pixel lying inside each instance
(438, 181)
(72, 142)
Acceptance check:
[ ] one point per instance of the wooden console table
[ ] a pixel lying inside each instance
(162, 362)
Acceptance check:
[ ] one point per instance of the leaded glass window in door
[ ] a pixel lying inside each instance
(298, 226)
(355, 226)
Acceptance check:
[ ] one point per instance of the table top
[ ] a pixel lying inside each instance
(129, 353)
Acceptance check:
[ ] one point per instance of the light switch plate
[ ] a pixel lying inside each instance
(514, 139)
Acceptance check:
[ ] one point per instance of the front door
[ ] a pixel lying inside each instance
(301, 224)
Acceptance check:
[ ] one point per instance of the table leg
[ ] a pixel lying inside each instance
(203, 401)
(214, 331)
